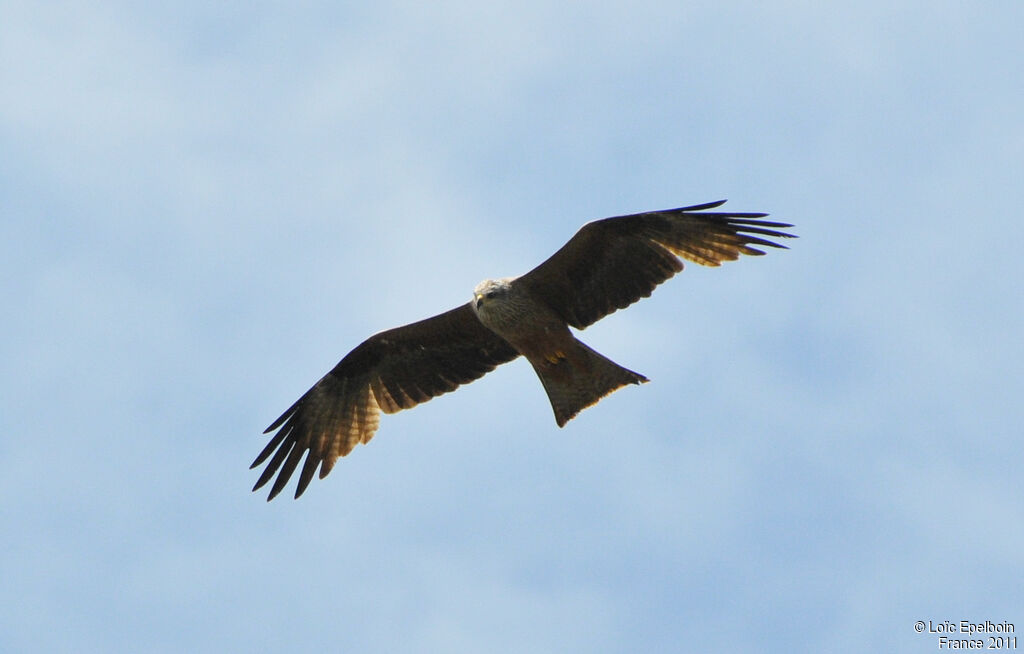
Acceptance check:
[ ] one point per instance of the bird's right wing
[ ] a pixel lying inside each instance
(390, 371)
(611, 263)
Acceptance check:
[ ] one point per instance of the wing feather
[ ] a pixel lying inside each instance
(393, 370)
(611, 263)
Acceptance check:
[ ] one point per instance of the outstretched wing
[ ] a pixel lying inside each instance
(390, 371)
(611, 263)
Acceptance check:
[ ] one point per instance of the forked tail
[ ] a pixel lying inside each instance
(579, 378)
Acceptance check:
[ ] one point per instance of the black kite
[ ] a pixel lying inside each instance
(607, 265)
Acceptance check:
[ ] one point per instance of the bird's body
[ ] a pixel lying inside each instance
(607, 265)
(574, 376)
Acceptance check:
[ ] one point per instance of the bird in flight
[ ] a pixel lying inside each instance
(608, 265)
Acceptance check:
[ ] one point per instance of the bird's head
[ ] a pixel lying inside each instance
(490, 290)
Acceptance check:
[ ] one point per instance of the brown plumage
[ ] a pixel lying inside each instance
(390, 371)
(607, 265)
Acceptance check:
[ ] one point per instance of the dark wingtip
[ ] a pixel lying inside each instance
(702, 207)
(284, 416)
(268, 450)
(261, 483)
(768, 223)
(258, 486)
(715, 205)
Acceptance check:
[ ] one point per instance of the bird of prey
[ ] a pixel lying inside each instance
(608, 265)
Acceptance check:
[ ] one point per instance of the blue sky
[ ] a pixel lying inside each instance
(206, 207)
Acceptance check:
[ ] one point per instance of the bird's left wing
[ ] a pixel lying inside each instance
(390, 371)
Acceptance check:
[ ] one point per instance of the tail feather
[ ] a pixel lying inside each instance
(579, 378)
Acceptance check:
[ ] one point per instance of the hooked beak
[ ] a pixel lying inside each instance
(479, 300)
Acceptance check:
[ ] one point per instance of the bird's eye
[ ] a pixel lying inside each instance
(490, 295)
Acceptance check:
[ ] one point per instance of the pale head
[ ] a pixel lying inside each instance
(490, 298)
(491, 289)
